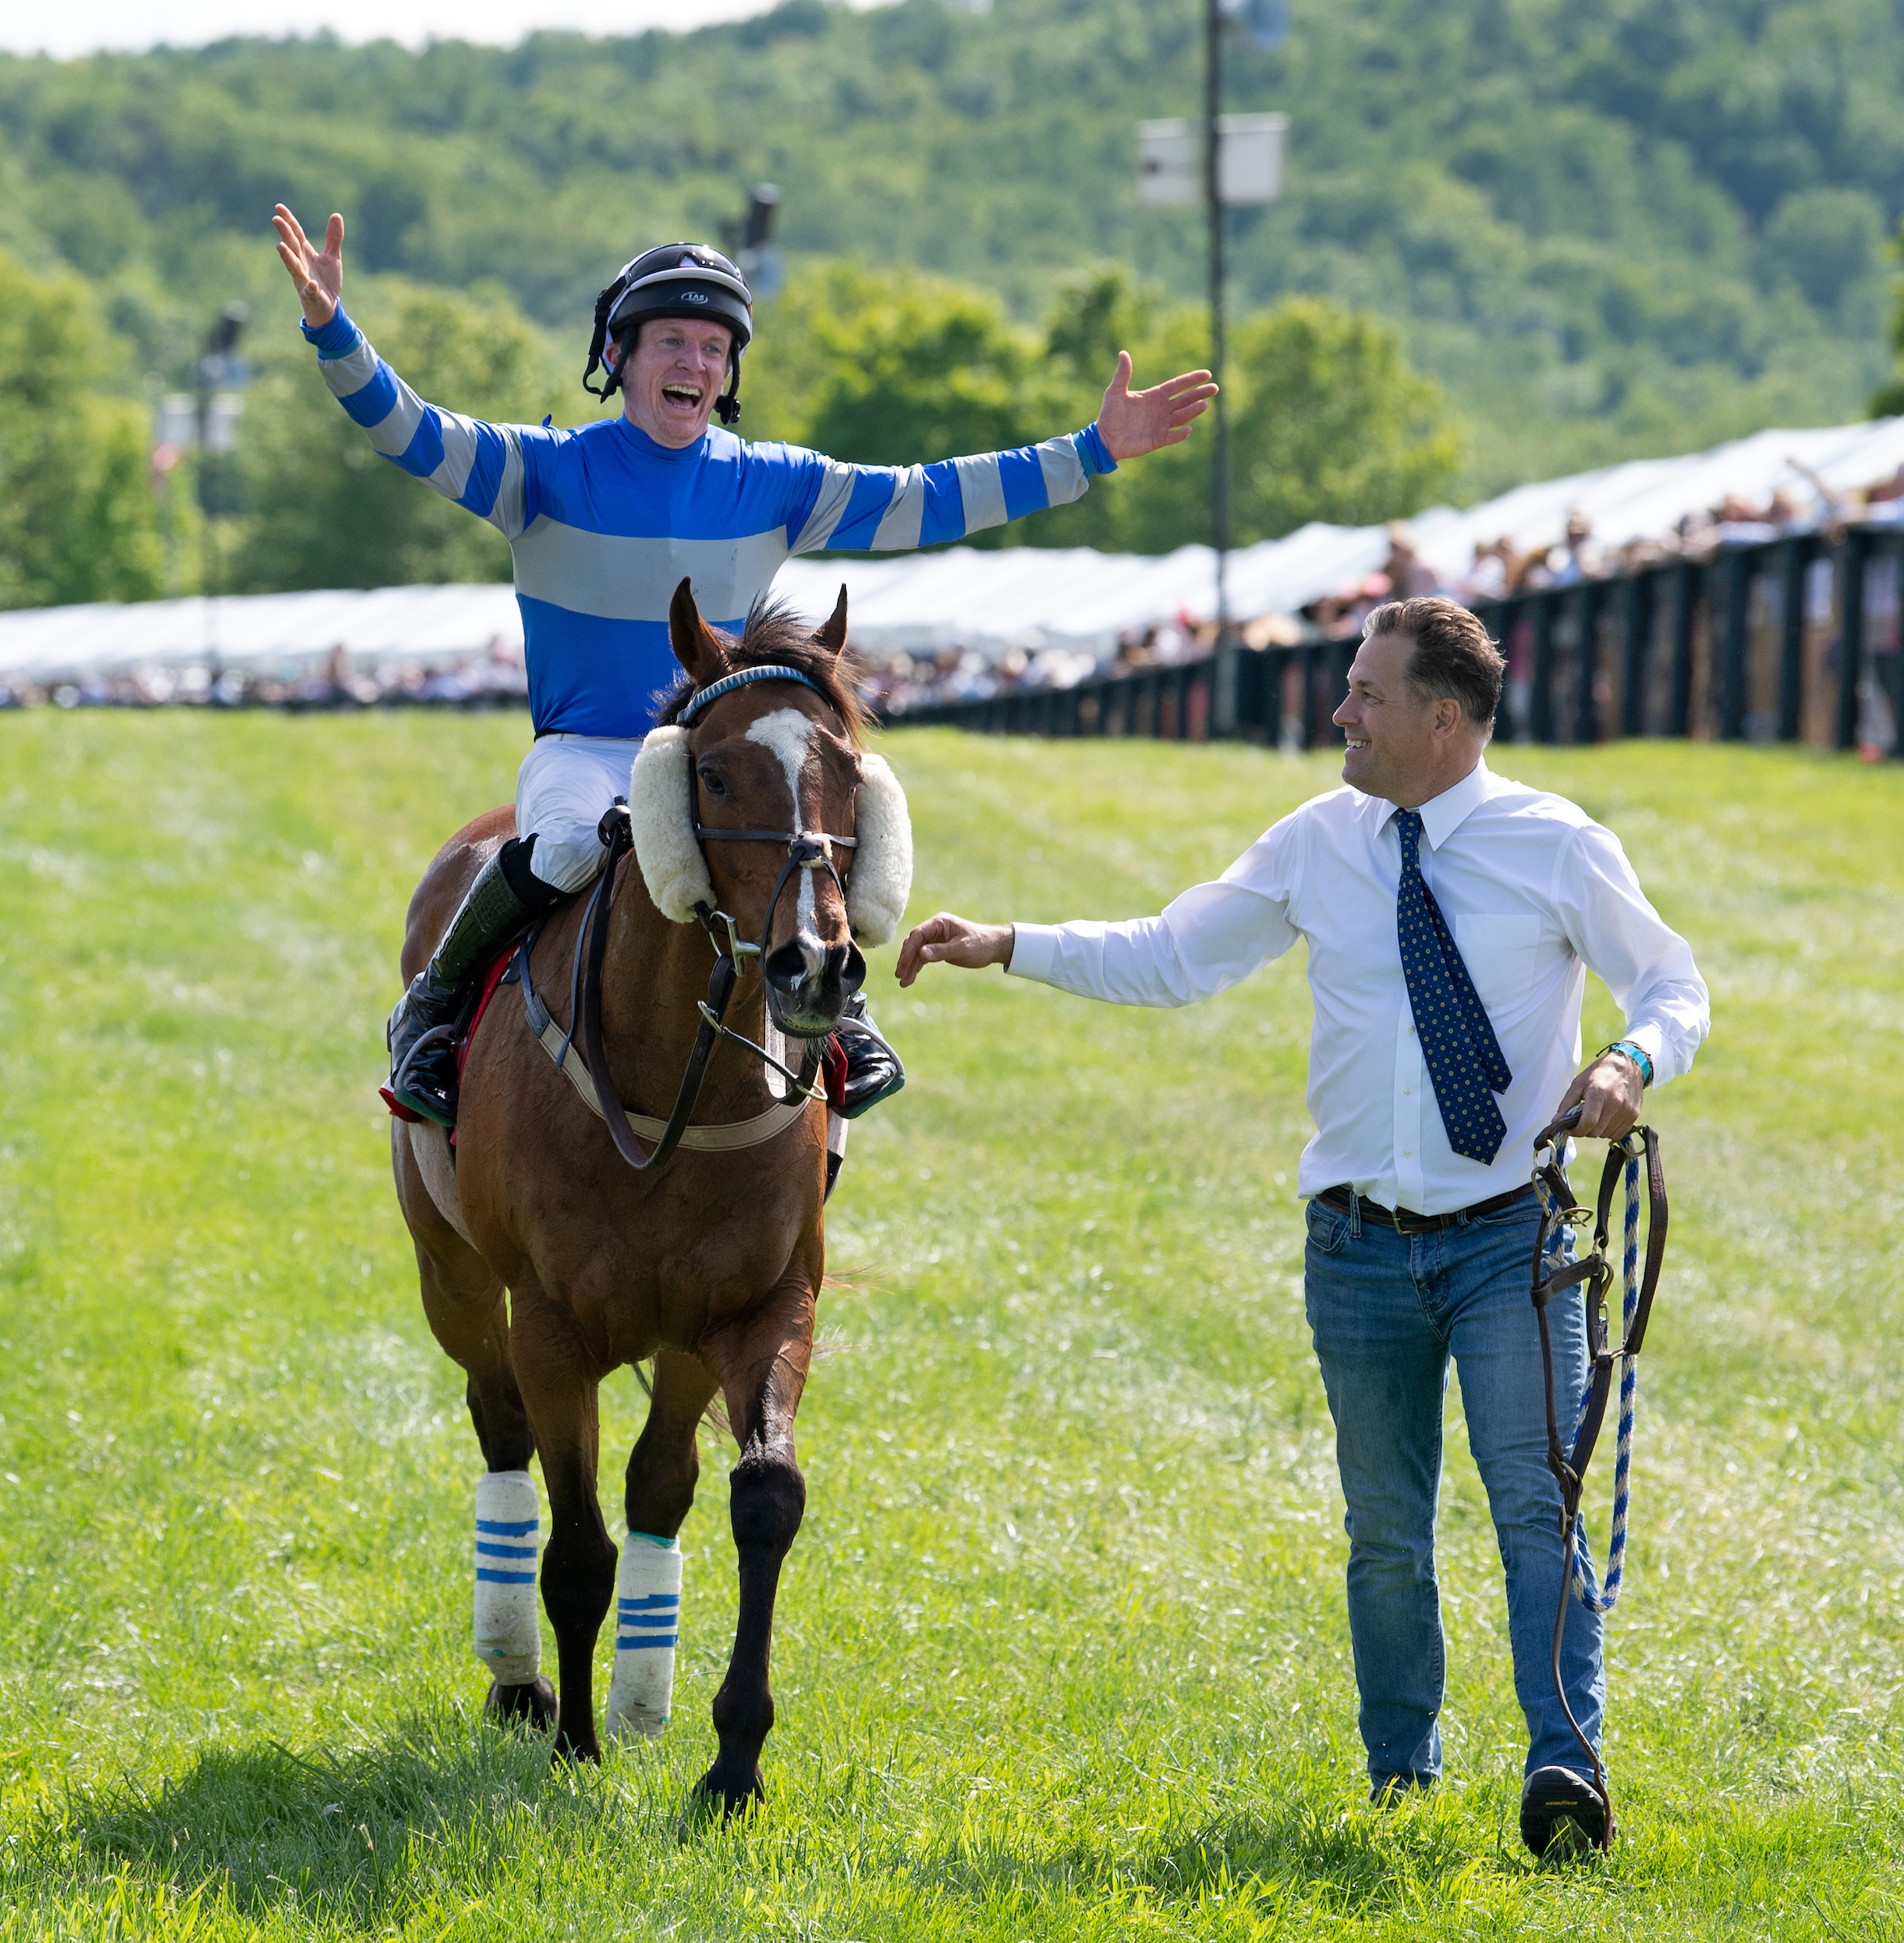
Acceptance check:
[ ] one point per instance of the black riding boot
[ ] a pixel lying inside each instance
(872, 1069)
(505, 899)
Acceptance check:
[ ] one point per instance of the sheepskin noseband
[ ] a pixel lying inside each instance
(881, 878)
(661, 816)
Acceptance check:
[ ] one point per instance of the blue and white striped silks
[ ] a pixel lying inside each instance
(605, 523)
(647, 1628)
(509, 1527)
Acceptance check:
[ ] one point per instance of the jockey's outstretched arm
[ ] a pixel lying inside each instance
(477, 465)
(888, 509)
(884, 510)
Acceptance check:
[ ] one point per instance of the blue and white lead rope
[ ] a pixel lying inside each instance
(1608, 1595)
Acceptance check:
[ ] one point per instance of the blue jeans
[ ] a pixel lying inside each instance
(1387, 1311)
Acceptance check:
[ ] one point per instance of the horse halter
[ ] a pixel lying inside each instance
(806, 850)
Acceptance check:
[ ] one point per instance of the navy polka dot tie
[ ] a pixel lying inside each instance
(1458, 1042)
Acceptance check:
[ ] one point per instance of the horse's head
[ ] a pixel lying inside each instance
(738, 799)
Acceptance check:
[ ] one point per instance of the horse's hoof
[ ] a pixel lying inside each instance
(576, 1752)
(718, 1789)
(533, 1702)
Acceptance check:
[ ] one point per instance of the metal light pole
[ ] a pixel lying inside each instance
(220, 370)
(1213, 187)
(1224, 162)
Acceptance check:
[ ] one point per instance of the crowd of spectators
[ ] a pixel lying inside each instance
(495, 679)
(1500, 568)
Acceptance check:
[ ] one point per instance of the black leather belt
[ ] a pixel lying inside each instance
(1405, 1221)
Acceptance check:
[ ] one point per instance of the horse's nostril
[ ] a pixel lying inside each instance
(846, 968)
(785, 967)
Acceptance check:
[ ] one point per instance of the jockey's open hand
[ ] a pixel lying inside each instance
(1608, 1094)
(949, 939)
(318, 273)
(1132, 422)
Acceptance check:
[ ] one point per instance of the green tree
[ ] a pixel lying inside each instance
(1327, 422)
(77, 516)
(1331, 423)
(324, 510)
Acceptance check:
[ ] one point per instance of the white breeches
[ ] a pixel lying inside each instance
(566, 785)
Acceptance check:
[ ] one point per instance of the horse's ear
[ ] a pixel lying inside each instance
(692, 639)
(832, 637)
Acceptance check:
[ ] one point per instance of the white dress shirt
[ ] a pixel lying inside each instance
(1535, 892)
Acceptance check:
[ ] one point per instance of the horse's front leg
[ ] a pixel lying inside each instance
(560, 1385)
(760, 1361)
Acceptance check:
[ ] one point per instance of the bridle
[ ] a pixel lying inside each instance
(806, 850)
(1592, 1276)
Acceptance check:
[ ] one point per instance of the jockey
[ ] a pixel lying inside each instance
(604, 520)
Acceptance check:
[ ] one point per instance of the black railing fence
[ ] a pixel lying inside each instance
(1793, 641)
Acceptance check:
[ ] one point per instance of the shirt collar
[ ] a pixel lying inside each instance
(1443, 815)
(653, 448)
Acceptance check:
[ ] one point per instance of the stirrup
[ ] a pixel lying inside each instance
(437, 1106)
(874, 1072)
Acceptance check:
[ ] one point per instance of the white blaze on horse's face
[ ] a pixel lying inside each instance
(790, 735)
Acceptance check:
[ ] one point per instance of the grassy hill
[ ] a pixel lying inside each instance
(1614, 228)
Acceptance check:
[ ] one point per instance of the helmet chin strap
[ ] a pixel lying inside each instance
(604, 304)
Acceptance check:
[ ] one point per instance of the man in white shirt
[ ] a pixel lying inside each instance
(1451, 916)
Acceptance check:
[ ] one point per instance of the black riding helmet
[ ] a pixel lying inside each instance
(677, 280)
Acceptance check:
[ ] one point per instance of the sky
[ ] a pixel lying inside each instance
(138, 23)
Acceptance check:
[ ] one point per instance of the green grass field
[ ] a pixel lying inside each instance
(1062, 1651)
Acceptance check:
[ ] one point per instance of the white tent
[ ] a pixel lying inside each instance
(1073, 597)
(259, 633)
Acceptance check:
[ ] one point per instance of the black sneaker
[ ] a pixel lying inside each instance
(1562, 1813)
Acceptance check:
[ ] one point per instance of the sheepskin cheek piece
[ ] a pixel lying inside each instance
(881, 877)
(660, 814)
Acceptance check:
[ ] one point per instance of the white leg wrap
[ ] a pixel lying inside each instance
(509, 1526)
(648, 1621)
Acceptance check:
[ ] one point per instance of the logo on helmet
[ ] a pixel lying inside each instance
(694, 296)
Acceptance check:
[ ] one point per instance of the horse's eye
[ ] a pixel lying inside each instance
(713, 784)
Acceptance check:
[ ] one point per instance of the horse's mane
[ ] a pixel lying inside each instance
(773, 633)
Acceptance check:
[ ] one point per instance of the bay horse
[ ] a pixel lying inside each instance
(547, 1260)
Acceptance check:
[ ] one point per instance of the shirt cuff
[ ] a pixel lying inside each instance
(1092, 453)
(337, 339)
(1035, 951)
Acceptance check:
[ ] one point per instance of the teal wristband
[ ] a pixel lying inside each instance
(1633, 1053)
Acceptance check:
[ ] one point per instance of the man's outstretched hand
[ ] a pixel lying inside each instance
(947, 940)
(1132, 423)
(318, 273)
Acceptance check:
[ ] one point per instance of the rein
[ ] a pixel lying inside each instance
(1593, 1276)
